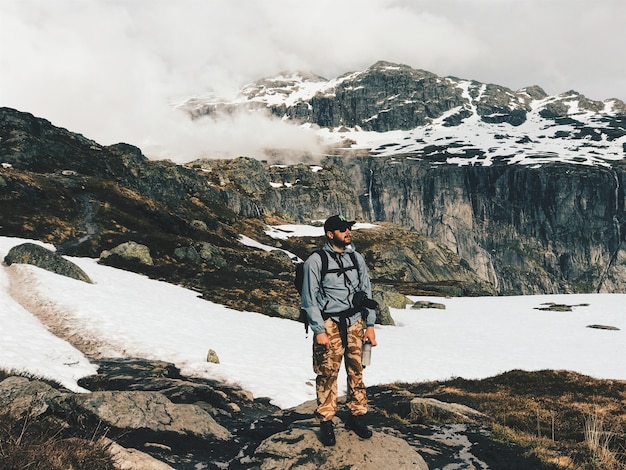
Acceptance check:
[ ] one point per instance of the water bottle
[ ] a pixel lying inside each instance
(366, 353)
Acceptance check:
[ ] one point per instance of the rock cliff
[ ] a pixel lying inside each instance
(525, 230)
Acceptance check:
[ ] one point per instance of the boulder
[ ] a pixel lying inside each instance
(211, 255)
(427, 304)
(299, 447)
(383, 315)
(285, 311)
(187, 253)
(395, 299)
(212, 357)
(21, 397)
(150, 411)
(431, 408)
(130, 251)
(133, 459)
(37, 255)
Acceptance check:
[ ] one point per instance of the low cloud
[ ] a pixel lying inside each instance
(253, 134)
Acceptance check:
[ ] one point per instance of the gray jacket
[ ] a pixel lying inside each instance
(336, 292)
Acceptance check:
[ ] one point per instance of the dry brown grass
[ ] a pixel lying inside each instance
(44, 443)
(568, 420)
(41, 445)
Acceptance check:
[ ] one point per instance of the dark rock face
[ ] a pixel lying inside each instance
(410, 97)
(551, 229)
(35, 144)
(556, 228)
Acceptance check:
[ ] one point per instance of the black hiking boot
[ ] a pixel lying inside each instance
(357, 424)
(327, 433)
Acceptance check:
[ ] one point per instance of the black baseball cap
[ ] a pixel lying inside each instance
(337, 222)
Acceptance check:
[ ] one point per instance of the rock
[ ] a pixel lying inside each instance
(211, 255)
(130, 251)
(383, 315)
(187, 253)
(299, 447)
(200, 225)
(395, 299)
(152, 411)
(21, 397)
(552, 307)
(285, 311)
(604, 327)
(31, 253)
(432, 409)
(134, 374)
(133, 459)
(426, 304)
(212, 357)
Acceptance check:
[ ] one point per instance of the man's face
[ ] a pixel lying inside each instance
(341, 238)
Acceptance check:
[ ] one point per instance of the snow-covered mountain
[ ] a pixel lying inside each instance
(392, 109)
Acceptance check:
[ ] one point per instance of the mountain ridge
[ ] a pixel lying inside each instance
(392, 109)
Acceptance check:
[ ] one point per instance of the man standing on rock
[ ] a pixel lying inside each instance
(341, 315)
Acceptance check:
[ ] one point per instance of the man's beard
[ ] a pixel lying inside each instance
(342, 243)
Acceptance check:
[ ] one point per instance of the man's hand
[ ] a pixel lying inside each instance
(370, 334)
(323, 339)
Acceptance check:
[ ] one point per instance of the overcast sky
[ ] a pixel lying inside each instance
(112, 69)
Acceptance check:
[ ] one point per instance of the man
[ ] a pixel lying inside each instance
(339, 326)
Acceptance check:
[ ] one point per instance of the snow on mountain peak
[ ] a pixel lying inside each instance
(393, 109)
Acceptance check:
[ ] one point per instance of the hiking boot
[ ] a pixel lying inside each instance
(327, 433)
(357, 424)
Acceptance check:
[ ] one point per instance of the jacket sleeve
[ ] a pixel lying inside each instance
(370, 318)
(312, 293)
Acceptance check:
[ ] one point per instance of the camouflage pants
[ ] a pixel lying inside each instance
(326, 364)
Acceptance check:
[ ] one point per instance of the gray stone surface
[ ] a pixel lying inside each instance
(299, 447)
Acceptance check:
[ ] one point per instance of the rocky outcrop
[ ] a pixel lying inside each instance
(151, 417)
(34, 144)
(149, 412)
(135, 410)
(299, 447)
(21, 397)
(37, 255)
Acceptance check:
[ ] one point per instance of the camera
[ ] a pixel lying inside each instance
(360, 299)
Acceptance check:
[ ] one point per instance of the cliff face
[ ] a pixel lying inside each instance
(528, 230)
(554, 228)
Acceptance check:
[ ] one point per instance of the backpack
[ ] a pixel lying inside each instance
(298, 279)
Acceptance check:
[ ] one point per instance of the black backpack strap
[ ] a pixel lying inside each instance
(356, 266)
(324, 271)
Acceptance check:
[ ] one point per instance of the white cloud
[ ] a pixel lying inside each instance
(110, 69)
